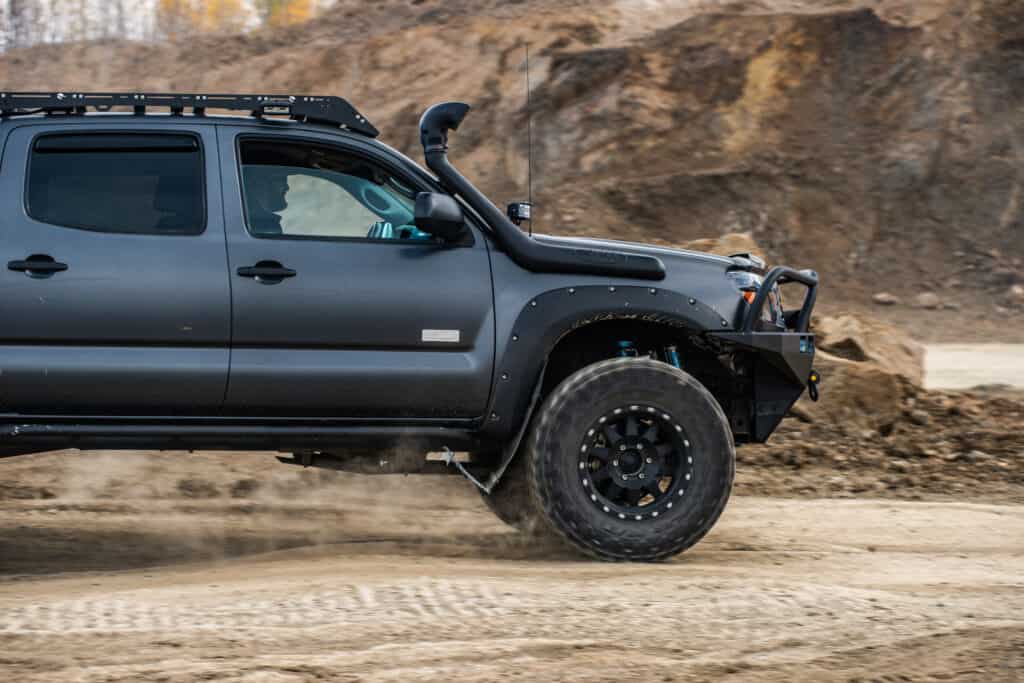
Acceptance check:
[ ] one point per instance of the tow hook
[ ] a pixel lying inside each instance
(812, 385)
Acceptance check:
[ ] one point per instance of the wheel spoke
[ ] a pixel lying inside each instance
(600, 453)
(651, 435)
(653, 489)
(663, 449)
(613, 491)
(632, 426)
(612, 435)
(600, 475)
(633, 496)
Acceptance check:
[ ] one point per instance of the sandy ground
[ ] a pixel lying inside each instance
(139, 569)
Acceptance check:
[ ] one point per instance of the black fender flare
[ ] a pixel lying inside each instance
(545, 319)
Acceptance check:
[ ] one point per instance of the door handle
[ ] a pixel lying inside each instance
(267, 272)
(38, 266)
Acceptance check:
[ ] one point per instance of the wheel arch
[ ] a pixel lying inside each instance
(557, 322)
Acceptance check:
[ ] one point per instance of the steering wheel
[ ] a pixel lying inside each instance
(381, 203)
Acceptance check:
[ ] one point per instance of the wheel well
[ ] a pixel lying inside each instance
(598, 341)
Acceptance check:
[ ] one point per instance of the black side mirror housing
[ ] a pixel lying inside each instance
(440, 215)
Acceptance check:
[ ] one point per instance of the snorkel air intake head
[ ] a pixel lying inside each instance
(437, 121)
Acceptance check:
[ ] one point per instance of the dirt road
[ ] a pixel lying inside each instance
(408, 579)
(961, 366)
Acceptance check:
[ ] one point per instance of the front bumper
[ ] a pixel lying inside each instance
(781, 361)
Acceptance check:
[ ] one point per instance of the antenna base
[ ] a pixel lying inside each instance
(518, 212)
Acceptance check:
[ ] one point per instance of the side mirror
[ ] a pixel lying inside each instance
(440, 215)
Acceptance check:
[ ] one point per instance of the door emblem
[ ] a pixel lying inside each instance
(444, 336)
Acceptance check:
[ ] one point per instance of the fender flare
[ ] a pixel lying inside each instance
(550, 316)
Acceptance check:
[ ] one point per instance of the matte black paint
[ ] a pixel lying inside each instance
(135, 323)
(344, 336)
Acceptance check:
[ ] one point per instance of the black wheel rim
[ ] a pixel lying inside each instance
(635, 462)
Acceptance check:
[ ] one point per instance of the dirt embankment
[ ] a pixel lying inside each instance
(878, 141)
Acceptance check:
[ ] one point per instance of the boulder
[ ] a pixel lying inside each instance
(858, 396)
(929, 300)
(867, 341)
(885, 299)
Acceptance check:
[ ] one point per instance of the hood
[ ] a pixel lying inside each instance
(665, 253)
(694, 274)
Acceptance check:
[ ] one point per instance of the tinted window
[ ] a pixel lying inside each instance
(149, 184)
(296, 190)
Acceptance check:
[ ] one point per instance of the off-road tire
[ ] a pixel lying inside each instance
(553, 459)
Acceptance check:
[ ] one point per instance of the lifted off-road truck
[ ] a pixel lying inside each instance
(282, 281)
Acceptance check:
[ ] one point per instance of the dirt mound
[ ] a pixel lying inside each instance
(726, 245)
(858, 339)
(926, 444)
(868, 369)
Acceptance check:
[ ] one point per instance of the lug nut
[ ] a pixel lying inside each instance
(622, 447)
(615, 463)
(641, 475)
(650, 460)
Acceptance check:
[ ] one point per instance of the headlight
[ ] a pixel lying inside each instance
(749, 285)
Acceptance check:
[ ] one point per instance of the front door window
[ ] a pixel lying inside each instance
(307, 191)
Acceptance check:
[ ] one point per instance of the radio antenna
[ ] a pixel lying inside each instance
(529, 141)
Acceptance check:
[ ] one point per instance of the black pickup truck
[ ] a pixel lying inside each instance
(280, 280)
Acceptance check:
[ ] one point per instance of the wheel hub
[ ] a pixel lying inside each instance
(630, 462)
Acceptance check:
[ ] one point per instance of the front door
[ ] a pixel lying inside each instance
(113, 276)
(341, 308)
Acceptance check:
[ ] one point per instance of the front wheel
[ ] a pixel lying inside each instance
(630, 459)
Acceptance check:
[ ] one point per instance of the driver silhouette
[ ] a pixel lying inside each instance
(266, 191)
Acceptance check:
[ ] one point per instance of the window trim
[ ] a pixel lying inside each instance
(204, 203)
(369, 157)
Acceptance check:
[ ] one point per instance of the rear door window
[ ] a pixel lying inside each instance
(148, 184)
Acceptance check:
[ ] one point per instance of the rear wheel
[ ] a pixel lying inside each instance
(628, 459)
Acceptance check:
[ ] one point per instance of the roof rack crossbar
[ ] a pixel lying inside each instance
(328, 110)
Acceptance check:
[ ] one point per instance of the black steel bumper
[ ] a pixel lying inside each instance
(782, 360)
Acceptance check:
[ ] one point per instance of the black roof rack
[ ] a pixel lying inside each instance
(331, 110)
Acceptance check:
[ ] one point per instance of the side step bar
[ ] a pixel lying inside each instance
(30, 437)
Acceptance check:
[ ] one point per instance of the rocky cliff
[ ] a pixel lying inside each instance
(882, 142)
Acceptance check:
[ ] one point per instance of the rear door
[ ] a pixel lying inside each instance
(341, 307)
(113, 280)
